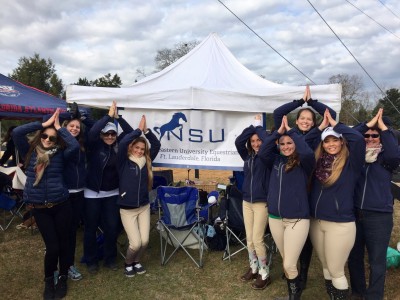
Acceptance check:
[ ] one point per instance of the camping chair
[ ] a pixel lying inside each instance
(234, 226)
(396, 190)
(157, 181)
(231, 213)
(11, 204)
(206, 208)
(179, 222)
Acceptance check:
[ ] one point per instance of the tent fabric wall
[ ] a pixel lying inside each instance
(20, 101)
(207, 78)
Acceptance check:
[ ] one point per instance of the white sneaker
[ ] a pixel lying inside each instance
(139, 268)
(398, 246)
(74, 274)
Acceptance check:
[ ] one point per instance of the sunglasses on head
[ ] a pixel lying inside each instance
(109, 133)
(373, 135)
(51, 138)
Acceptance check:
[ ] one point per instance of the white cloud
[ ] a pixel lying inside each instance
(93, 38)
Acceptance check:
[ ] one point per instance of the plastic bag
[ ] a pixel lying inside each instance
(392, 258)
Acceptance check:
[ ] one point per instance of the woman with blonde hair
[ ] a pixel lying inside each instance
(306, 120)
(134, 163)
(339, 161)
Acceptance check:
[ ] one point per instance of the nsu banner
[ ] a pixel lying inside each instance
(194, 138)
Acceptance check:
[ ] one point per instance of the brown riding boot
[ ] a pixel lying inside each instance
(249, 275)
(261, 283)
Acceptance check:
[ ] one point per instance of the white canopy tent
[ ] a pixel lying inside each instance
(208, 78)
(199, 104)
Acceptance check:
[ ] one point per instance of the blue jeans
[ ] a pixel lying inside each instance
(373, 232)
(104, 213)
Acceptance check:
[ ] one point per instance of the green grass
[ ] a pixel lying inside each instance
(21, 274)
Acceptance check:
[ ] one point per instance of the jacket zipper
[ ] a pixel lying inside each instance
(365, 187)
(316, 206)
(102, 170)
(251, 178)
(280, 170)
(140, 182)
(46, 197)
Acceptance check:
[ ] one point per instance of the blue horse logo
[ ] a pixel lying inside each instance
(177, 120)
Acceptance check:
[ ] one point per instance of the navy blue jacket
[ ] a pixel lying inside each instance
(133, 189)
(75, 170)
(99, 153)
(256, 173)
(373, 191)
(52, 187)
(336, 202)
(287, 193)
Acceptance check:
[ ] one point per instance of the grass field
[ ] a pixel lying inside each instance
(21, 271)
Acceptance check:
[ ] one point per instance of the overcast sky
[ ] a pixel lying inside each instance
(92, 38)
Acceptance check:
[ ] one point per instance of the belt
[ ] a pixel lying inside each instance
(47, 204)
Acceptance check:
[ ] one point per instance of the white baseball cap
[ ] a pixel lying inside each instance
(328, 131)
(109, 127)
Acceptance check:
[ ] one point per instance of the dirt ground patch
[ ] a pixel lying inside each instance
(206, 176)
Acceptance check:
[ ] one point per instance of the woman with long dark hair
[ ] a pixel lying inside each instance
(255, 211)
(75, 177)
(45, 189)
(288, 207)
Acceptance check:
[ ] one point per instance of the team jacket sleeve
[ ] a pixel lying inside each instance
(284, 110)
(355, 142)
(267, 150)
(122, 153)
(154, 142)
(72, 150)
(306, 154)
(94, 132)
(19, 136)
(391, 153)
(320, 107)
(241, 141)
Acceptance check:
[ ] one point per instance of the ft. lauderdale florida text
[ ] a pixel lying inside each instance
(194, 155)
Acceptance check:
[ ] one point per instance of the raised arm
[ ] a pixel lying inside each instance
(267, 150)
(284, 110)
(19, 136)
(71, 152)
(306, 154)
(122, 153)
(318, 106)
(153, 140)
(355, 143)
(242, 139)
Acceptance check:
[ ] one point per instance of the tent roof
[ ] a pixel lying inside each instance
(21, 101)
(209, 77)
